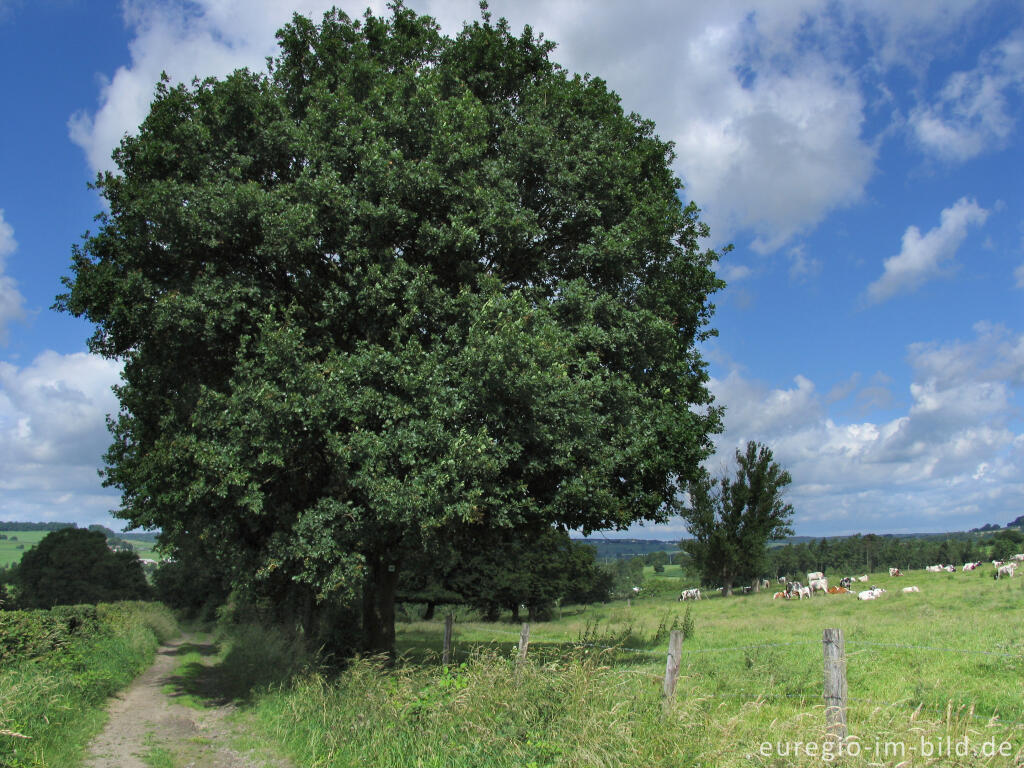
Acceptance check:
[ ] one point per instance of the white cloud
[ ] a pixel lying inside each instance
(953, 459)
(971, 114)
(763, 100)
(924, 257)
(1018, 275)
(52, 436)
(12, 303)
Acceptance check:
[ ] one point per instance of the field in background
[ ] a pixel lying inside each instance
(11, 550)
(925, 670)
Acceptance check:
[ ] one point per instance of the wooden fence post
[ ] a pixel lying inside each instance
(446, 654)
(675, 652)
(524, 643)
(834, 649)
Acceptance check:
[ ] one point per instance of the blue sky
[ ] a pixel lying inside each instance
(864, 158)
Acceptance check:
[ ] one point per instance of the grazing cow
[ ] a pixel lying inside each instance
(689, 594)
(819, 584)
(911, 589)
(846, 582)
(803, 592)
(782, 579)
(765, 583)
(933, 568)
(863, 578)
(895, 572)
(816, 575)
(1006, 570)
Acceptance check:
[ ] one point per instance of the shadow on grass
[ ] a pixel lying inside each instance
(222, 677)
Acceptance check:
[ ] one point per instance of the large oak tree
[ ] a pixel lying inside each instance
(399, 284)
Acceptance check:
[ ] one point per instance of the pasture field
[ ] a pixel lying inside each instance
(11, 554)
(929, 674)
(9, 551)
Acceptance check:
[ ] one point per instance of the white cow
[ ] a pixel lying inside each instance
(815, 575)
(911, 589)
(863, 578)
(1019, 558)
(996, 563)
(970, 566)
(895, 572)
(949, 569)
(1006, 570)
(803, 592)
(689, 594)
(933, 568)
(819, 584)
(870, 594)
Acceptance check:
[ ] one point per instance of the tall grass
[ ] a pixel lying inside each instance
(936, 668)
(58, 700)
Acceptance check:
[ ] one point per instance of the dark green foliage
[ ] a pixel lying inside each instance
(7, 525)
(189, 586)
(402, 286)
(732, 520)
(72, 566)
(29, 634)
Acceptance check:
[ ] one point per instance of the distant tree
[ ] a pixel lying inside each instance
(732, 520)
(657, 558)
(72, 566)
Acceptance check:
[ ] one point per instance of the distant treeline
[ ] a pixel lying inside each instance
(872, 553)
(149, 536)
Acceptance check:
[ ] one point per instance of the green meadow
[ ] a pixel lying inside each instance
(928, 673)
(18, 543)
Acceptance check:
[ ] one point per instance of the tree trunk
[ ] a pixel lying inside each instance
(755, 586)
(429, 613)
(379, 606)
(515, 612)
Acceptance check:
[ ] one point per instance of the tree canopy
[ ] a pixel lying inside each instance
(732, 520)
(71, 566)
(400, 284)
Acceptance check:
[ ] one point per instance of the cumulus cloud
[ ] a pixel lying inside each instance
(12, 303)
(953, 460)
(52, 436)
(972, 113)
(764, 101)
(924, 257)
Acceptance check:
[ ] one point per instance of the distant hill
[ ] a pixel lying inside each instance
(15, 526)
(617, 549)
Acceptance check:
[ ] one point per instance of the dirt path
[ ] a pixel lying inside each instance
(147, 721)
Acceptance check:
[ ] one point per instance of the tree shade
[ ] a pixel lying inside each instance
(401, 284)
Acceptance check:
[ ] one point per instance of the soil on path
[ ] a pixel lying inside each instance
(148, 720)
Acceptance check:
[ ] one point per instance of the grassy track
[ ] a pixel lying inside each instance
(947, 663)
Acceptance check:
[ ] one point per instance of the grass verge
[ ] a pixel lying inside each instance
(58, 699)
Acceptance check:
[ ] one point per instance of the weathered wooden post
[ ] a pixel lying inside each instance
(675, 652)
(524, 643)
(834, 648)
(446, 654)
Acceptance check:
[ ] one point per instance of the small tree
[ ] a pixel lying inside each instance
(72, 566)
(733, 520)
